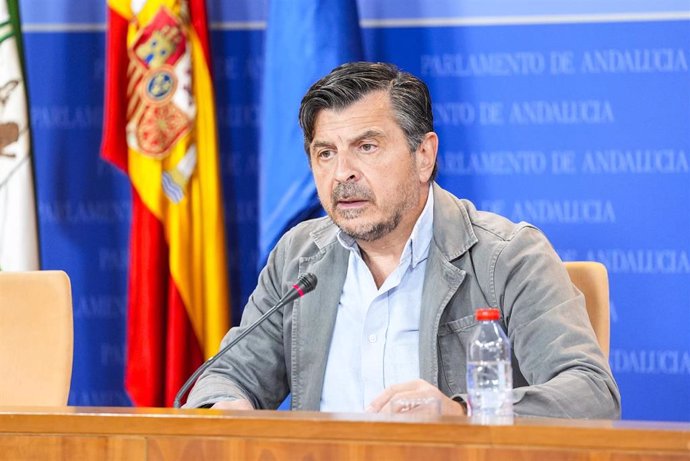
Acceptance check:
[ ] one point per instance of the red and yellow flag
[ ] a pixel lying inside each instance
(160, 129)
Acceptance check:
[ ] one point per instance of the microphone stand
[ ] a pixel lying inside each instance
(304, 285)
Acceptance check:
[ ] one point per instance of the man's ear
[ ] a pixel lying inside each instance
(426, 156)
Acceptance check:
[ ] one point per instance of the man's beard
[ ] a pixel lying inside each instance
(370, 232)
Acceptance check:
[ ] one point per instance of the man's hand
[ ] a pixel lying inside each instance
(239, 404)
(417, 389)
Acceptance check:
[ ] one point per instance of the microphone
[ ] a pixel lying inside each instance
(305, 284)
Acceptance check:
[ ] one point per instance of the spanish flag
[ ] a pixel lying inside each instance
(159, 128)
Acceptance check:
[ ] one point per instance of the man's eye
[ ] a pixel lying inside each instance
(367, 147)
(325, 154)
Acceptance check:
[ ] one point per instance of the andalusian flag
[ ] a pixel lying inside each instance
(160, 129)
(18, 234)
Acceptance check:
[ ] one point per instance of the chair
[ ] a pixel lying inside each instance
(591, 278)
(36, 338)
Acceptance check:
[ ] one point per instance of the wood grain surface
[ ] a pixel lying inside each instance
(28, 433)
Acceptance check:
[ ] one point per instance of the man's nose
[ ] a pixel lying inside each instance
(346, 168)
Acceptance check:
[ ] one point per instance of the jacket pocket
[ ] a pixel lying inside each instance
(453, 340)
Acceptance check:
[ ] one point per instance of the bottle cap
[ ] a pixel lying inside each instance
(487, 313)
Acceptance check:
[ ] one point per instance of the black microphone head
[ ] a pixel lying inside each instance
(306, 283)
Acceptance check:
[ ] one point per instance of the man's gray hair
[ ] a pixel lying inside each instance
(348, 83)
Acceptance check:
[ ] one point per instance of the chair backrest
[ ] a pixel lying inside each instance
(36, 338)
(592, 279)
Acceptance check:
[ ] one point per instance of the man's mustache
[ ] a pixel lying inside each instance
(350, 191)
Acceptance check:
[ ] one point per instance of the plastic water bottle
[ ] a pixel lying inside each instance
(489, 373)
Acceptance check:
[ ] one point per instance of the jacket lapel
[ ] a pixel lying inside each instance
(453, 236)
(313, 323)
(441, 281)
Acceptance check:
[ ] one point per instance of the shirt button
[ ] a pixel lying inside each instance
(372, 338)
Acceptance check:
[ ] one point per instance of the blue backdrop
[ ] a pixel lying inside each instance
(574, 116)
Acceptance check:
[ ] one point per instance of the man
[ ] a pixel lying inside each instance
(402, 264)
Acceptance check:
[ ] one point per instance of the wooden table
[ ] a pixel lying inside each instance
(83, 433)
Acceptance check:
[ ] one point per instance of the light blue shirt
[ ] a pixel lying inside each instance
(376, 337)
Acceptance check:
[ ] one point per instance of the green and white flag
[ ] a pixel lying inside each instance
(18, 232)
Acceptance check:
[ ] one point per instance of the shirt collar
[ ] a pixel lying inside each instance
(417, 246)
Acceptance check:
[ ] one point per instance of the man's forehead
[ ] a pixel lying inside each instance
(369, 112)
(373, 100)
(349, 131)
(352, 136)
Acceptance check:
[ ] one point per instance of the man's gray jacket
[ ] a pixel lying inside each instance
(476, 259)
